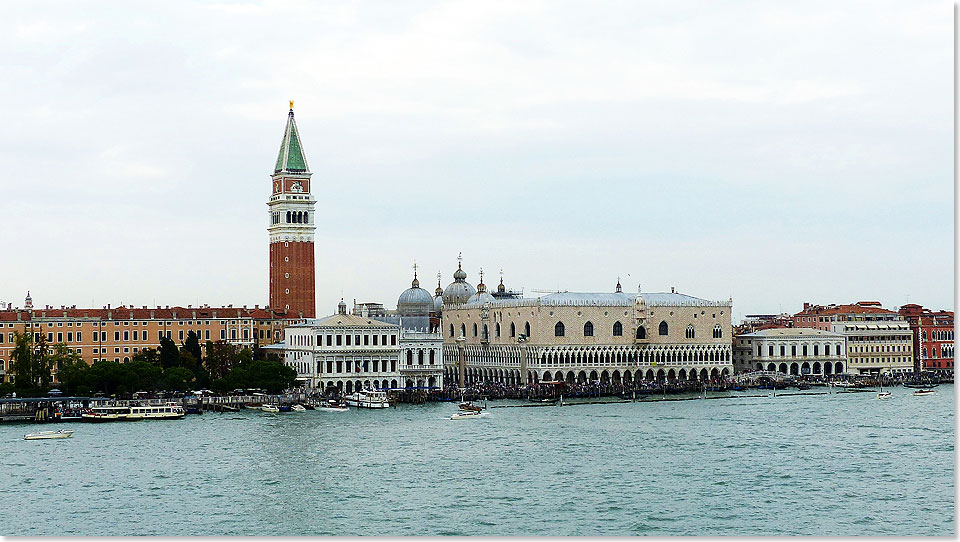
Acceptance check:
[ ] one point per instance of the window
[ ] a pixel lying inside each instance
(513, 330)
(588, 329)
(558, 330)
(116, 335)
(498, 329)
(451, 330)
(717, 332)
(689, 333)
(663, 328)
(393, 340)
(618, 329)
(526, 329)
(339, 340)
(463, 330)
(474, 329)
(641, 332)
(770, 349)
(348, 340)
(826, 350)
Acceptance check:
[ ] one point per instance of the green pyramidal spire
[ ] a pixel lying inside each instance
(291, 158)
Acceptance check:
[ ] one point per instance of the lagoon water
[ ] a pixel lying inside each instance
(842, 464)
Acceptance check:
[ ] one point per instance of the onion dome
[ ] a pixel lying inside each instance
(458, 291)
(415, 301)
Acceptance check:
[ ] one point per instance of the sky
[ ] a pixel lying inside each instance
(773, 153)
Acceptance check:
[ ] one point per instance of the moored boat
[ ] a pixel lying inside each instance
(333, 406)
(924, 392)
(107, 414)
(298, 408)
(368, 399)
(169, 411)
(47, 435)
(270, 408)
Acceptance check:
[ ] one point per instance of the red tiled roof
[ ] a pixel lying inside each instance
(843, 309)
(130, 313)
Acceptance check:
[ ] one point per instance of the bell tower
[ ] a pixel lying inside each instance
(292, 224)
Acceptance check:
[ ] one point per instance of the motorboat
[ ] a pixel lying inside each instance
(46, 435)
(924, 392)
(883, 395)
(468, 414)
(285, 408)
(298, 408)
(333, 405)
(270, 408)
(368, 399)
(470, 407)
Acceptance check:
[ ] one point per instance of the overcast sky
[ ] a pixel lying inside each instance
(770, 152)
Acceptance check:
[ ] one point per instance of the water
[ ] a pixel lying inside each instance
(845, 464)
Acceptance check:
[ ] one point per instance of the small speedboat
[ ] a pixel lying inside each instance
(333, 406)
(44, 435)
(924, 392)
(883, 395)
(470, 407)
(270, 408)
(467, 414)
(298, 408)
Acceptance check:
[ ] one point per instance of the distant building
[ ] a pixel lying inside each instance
(342, 351)
(119, 333)
(794, 351)
(933, 341)
(756, 322)
(823, 317)
(877, 347)
(580, 337)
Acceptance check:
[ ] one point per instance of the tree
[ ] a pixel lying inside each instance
(169, 353)
(147, 355)
(31, 362)
(192, 345)
(221, 358)
(178, 379)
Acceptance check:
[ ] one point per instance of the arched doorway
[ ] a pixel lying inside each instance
(783, 368)
(838, 368)
(349, 387)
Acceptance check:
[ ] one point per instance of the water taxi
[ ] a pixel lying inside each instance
(368, 399)
(298, 408)
(883, 395)
(270, 408)
(924, 392)
(46, 435)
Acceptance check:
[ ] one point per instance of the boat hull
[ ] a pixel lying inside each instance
(48, 435)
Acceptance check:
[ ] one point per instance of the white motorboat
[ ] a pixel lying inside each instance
(270, 408)
(298, 408)
(924, 392)
(45, 435)
(368, 399)
(883, 395)
(468, 414)
(333, 406)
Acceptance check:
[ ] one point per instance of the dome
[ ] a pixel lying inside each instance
(481, 297)
(415, 301)
(458, 291)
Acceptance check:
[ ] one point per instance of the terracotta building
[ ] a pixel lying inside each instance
(932, 338)
(823, 317)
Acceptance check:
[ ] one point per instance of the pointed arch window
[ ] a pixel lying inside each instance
(663, 328)
(526, 329)
(474, 329)
(498, 329)
(588, 329)
(513, 330)
(717, 332)
(463, 330)
(558, 330)
(617, 329)
(451, 330)
(288, 217)
(690, 333)
(641, 332)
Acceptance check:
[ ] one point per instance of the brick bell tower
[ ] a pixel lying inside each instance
(292, 223)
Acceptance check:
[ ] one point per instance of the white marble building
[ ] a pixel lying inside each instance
(794, 351)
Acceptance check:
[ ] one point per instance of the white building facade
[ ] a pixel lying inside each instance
(793, 351)
(343, 351)
(421, 359)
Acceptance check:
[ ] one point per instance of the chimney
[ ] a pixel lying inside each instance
(108, 305)
(152, 313)
(673, 290)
